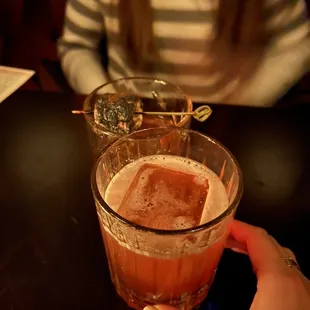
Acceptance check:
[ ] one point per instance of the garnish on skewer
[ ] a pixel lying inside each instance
(118, 113)
(201, 114)
(122, 113)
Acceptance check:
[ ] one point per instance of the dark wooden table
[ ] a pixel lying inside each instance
(51, 253)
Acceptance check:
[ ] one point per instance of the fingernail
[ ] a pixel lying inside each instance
(237, 250)
(150, 308)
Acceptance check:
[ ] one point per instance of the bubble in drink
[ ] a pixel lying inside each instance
(167, 192)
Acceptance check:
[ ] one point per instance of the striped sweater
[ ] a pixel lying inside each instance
(181, 29)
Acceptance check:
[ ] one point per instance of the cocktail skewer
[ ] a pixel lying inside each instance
(201, 114)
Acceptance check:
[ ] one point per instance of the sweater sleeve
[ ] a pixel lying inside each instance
(78, 46)
(286, 59)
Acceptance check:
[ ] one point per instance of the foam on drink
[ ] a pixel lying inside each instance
(167, 192)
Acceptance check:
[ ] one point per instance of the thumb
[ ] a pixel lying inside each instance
(263, 251)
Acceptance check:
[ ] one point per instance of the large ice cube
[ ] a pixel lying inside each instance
(164, 198)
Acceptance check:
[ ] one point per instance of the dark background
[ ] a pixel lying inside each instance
(28, 33)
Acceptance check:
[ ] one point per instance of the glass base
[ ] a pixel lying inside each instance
(187, 301)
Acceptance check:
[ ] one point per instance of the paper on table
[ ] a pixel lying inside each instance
(11, 79)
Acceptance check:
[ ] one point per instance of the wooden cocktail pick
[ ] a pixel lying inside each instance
(201, 114)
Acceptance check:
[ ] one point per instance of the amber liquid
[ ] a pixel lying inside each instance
(163, 194)
(182, 281)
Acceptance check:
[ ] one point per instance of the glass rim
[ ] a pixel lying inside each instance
(207, 225)
(88, 98)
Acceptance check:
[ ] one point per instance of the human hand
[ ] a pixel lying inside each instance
(279, 285)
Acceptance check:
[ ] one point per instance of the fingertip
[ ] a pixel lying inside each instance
(239, 251)
(263, 252)
(236, 246)
(159, 307)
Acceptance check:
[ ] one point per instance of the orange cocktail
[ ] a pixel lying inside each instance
(164, 216)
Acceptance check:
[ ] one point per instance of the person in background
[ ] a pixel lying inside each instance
(280, 283)
(241, 52)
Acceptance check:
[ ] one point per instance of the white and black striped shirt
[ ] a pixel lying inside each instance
(181, 29)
